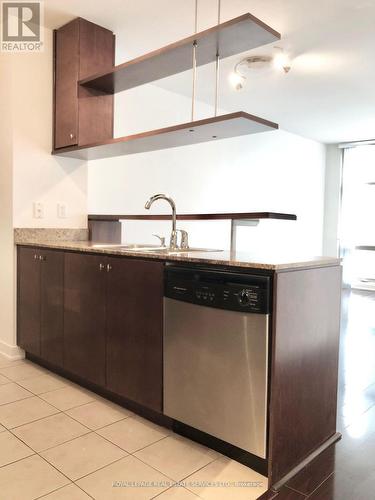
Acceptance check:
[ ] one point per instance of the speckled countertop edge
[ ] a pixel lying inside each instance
(224, 258)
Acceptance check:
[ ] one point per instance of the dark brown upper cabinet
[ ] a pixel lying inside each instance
(81, 115)
(40, 303)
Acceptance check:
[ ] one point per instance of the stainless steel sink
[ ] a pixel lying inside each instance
(176, 251)
(126, 247)
(152, 248)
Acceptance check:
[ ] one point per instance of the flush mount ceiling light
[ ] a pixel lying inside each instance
(280, 60)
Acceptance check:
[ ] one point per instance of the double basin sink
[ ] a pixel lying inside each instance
(152, 248)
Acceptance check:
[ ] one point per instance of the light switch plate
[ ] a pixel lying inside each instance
(38, 210)
(61, 211)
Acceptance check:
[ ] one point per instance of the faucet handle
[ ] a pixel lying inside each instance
(161, 238)
(184, 238)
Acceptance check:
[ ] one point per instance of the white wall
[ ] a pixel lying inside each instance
(28, 172)
(39, 176)
(274, 171)
(7, 282)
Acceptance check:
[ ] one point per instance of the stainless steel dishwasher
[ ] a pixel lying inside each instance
(216, 354)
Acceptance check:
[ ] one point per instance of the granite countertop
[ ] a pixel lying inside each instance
(273, 262)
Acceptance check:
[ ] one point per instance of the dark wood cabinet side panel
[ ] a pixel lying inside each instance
(304, 372)
(95, 108)
(135, 331)
(84, 317)
(28, 306)
(52, 307)
(66, 76)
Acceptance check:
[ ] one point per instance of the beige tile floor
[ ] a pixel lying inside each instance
(59, 441)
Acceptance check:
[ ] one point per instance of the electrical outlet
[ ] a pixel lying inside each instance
(38, 210)
(61, 211)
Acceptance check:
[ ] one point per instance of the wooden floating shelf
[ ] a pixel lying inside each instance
(209, 129)
(219, 216)
(370, 248)
(238, 35)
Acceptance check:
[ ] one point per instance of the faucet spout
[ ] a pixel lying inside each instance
(173, 241)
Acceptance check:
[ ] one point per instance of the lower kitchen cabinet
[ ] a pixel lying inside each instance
(28, 311)
(85, 316)
(40, 303)
(135, 330)
(52, 307)
(99, 318)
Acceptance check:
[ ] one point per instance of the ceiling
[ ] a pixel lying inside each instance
(329, 93)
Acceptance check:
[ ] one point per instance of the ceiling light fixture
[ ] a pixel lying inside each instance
(280, 60)
(237, 80)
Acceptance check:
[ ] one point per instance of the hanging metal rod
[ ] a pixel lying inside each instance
(194, 63)
(196, 17)
(217, 64)
(194, 80)
(217, 83)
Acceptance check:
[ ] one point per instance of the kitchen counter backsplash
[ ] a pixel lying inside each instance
(29, 235)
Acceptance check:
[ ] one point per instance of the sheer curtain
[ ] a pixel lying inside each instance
(357, 221)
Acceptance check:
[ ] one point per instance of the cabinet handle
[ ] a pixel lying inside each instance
(71, 136)
(42, 258)
(109, 268)
(101, 267)
(35, 257)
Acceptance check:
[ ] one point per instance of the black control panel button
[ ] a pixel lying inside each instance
(244, 297)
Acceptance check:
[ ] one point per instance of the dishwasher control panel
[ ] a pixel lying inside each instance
(220, 289)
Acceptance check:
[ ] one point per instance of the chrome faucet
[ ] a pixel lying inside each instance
(173, 241)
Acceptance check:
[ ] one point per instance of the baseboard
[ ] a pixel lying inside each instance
(12, 352)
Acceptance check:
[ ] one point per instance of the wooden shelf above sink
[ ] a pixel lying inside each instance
(211, 216)
(232, 37)
(209, 129)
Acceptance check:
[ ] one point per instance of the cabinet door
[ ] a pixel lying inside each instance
(52, 306)
(66, 77)
(96, 55)
(84, 316)
(28, 310)
(135, 330)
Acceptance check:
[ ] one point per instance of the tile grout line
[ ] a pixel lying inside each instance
(93, 430)
(122, 449)
(173, 481)
(9, 402)
(164, 474)
(90, 432)
(36, 453)
(128, 452)
(174, 486)
(31, 421)
(209, 463)
(46, 449)
(61, 488)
